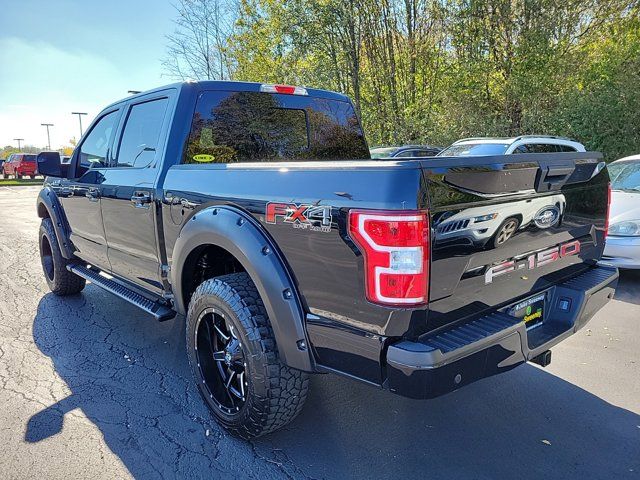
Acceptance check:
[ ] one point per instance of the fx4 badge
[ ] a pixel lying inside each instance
(533, 260)
(312, 217)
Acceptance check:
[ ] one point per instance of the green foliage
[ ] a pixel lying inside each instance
(8, 150)
(602, 103)
(9, 182)
(432, 71)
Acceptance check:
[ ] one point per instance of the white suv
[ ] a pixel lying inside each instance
(492, 225)
(469, 147)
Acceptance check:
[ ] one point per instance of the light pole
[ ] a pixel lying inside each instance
(19, 140)
(80, 120)
(48, 136)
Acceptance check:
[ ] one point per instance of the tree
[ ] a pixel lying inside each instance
(432, 71)
(197, 48)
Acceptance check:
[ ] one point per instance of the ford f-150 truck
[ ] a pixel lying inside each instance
(255, 213)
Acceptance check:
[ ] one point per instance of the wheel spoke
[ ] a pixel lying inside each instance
(209, 336)
(241, 382)
(230, 379)
(218, 356)
(224, 337)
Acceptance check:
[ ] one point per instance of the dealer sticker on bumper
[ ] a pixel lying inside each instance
(531, 310)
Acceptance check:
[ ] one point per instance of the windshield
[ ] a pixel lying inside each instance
(474, 149)
(384, 152)
(625, 176)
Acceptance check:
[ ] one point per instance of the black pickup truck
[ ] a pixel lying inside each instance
(256, 212)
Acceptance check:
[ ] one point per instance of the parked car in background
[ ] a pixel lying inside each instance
(405, 151)
(482, 146)
(20, 165)
(493, 225)
(622, 248)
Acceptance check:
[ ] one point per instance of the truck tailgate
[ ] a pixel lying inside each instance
(505, 228)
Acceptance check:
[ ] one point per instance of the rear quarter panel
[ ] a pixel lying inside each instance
(346, 331)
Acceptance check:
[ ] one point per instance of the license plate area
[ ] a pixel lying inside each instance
(531, 310)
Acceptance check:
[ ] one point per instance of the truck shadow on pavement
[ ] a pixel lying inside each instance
(129, 376)
(629, 287)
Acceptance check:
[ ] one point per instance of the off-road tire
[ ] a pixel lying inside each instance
(60, 280)
(275, 393)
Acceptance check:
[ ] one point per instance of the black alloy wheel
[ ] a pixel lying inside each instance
(233, 356)
(221, 361)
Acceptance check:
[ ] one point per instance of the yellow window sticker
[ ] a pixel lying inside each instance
(204, 158)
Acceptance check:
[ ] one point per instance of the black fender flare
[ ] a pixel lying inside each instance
(48, 205)
(238, 233)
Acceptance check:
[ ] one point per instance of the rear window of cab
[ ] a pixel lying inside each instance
(233, 127)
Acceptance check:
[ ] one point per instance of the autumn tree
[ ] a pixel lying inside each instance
(432, 71)
(197, 48)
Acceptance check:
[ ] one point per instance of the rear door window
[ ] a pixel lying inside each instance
(407, 154)
(542, 148)
(230, 127)
(566, 148)
(141, 134)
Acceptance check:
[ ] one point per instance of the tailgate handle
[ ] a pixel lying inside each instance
(559, 171)
(553, 177)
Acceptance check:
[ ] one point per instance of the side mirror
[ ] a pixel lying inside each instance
(49, 165)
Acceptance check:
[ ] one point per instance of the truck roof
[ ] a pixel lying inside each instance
(230, 85)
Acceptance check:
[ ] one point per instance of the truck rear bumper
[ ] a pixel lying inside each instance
(446, 360)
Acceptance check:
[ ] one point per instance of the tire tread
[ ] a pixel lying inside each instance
(64, 282)
(286, 387)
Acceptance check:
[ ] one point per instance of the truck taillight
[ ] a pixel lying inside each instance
(286, 89)
(606, 222)
(395, 247)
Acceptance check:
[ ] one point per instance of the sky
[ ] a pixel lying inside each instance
(63, 56)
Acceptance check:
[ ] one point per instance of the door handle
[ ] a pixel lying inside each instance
(140, 199)
(64, 192)
(93, 194)
(187, 204)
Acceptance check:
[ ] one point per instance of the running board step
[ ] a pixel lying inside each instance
(158, 310)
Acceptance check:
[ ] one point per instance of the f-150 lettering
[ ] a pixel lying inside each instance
(533, 260)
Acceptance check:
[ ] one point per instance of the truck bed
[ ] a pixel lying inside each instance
(349, 333)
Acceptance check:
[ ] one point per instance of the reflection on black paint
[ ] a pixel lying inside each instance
(486, 227)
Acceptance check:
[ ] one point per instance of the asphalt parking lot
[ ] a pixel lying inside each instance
(90, 387)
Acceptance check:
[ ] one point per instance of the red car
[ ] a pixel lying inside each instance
(20, 165)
